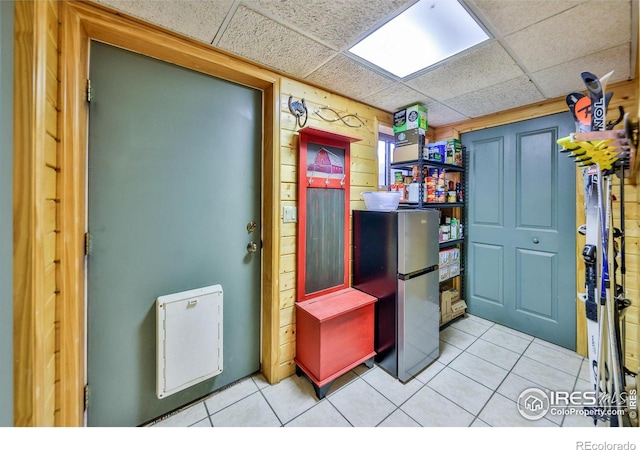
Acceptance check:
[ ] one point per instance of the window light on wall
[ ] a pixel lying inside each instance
(423, 35)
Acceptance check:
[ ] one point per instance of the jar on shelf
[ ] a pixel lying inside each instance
(459, 192)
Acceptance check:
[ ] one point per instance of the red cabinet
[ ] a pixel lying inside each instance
(334, 334)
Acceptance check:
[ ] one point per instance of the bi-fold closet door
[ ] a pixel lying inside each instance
(521, 230)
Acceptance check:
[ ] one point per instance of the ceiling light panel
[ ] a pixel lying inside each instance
(423, 35)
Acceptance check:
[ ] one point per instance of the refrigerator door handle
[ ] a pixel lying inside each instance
(417, 273)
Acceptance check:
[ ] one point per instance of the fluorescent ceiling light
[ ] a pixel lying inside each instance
(426, 33)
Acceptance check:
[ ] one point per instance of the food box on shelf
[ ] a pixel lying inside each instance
(409, 145)
(409, 118)
(454, 269)
(444, 257)
(458, 308)
(409, 128)
(454, 254)
(453, 152)
(449, 255)
(444, 273)
(447, 298)
(435, 152)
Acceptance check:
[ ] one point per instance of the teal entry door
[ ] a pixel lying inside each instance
(174, 179)
(521, 228)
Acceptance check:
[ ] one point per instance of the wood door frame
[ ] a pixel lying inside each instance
(80, 23)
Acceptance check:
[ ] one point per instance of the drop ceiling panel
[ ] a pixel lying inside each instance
(259, 38)
(197, 19)
(395, 97)
(486, 66)
(506, 17)
(439, 114)
(560, 80)
(498, 97)
(338, 23)
(588, 28)
(350, 78)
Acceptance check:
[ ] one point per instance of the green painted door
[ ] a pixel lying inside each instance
(174, 178)
(521, 228)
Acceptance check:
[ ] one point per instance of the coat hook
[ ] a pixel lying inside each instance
(299, 110)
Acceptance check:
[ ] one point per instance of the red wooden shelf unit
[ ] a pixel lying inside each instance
(334, 322)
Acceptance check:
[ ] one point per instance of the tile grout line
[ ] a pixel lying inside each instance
(208, 415)
(338, 409)
(494, 391)
(397, 407)
(271, 407)
(447, 365)
(573, 389)
(238, 400)
(501, 383)
(326, 398)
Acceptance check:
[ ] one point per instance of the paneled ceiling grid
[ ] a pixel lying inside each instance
(537, 51)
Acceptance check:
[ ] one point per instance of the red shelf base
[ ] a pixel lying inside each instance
(334, 334)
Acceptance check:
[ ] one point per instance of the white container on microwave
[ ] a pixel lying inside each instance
(414, 192)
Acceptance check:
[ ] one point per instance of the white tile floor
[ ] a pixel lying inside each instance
(482, 369)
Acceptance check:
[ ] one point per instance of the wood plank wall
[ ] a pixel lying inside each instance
(364, 177)
(632, 251)
(624, 94)
(36, 262)
(630, 335)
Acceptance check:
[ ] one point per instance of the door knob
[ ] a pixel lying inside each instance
(536, 240)
(252, 247)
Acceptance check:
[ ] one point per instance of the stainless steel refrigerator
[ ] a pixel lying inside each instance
(395, 258)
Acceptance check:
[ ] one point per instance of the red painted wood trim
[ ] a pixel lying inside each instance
(329, 306)
(335, 375)
(328, 135)
(321, 137)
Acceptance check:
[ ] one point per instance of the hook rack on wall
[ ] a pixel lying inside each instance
(344, 118)
(299, 110)
(606, 148)
(632, 132)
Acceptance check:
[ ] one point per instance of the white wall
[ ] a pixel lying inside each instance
(6, 215)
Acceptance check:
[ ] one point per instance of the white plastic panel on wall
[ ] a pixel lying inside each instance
(189, 338)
